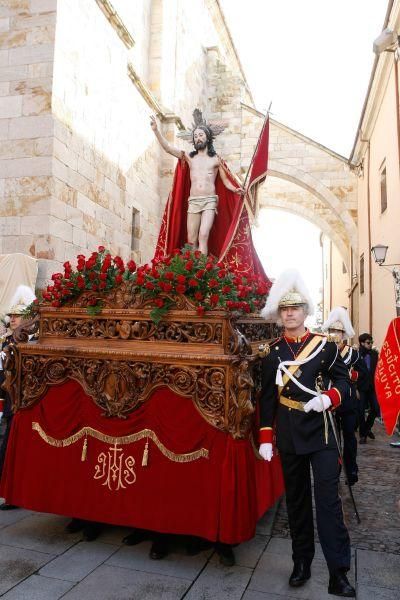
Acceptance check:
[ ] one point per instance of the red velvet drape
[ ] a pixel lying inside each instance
(218, 498)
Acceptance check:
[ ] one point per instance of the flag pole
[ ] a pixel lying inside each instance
(256, 148)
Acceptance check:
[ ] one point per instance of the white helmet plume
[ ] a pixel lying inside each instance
(339, 319)
(288, 290)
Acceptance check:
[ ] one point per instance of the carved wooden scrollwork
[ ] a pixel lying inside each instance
(26, 330)
(11, 369)
(146, 330)
(118, 387)
(258, 331)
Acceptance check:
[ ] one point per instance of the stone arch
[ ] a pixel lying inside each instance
(322, 193)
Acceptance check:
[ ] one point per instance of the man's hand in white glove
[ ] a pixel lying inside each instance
(266, 451)
(318, 403)
(1, 416)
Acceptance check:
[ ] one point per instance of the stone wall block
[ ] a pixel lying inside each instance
(31, 127)
(38, 103)
(40, 165)
(14, 73)
(60, 229)
(79, 237)
(27, 55)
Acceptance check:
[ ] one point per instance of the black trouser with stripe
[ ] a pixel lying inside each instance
(332, 531)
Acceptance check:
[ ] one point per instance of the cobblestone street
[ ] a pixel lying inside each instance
(39, 561)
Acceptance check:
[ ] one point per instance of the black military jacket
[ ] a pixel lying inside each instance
(298, 432)
(357, 369)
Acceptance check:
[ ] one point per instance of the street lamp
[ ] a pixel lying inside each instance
(379, 253)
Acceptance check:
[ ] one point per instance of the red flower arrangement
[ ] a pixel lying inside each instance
(204, 280)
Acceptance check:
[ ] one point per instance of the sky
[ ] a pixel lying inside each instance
(312, 59)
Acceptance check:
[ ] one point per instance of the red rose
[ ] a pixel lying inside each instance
(131, 266)
(198, 296)
(81, 257)
(103, 276)
(214, 298)
(94, 287)
(181, 279)
(56, 276)
(200, 310)
(92, 276)
(92, 302)
(246, 307)
(169, 275)
(193, 283)
(57, 283)
(197, 254)
(140, 280)
(102, 285)
(167, 287)
(209, 266)
(80, 282)
(149, 285)
(159, 302)
(176, 252)
(200, 274)
(104, 267)
(226, 289)
(189, 265)
(187, 254)
(101, 248)
(67, 266)
(155, 273)
(56, 303)
(181, 289)
(213, 283)
(221, 273)
(94, 255)
(46, 296)
(118, 279)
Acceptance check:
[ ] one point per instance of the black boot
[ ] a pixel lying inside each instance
(6, 506)
(75, 525)
(300, 574)
(225, 553)
(339, 585)
(159, 548)
(92, 530)
(195, 545)
(136, 537)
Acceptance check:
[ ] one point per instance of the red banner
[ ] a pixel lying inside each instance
(259, 166)
(387, 377)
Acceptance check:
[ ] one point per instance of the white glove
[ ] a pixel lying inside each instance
(318, 403)
(1, 416)
(266, 451)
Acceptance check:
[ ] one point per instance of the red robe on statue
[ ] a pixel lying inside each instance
(230, 238)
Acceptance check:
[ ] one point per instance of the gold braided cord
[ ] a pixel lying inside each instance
(125, 439)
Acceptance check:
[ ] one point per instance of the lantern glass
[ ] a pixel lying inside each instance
(379, 253)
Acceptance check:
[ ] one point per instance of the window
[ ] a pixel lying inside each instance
(383, 190)
(362, 274)
(135, 231)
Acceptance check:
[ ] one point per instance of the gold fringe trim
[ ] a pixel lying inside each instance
(126, 439)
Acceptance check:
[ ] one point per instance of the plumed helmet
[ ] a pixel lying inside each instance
(288, 290)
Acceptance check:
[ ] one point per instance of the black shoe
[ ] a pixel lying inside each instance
(225, 553)
(339, 585)
(159, 548)
(195, 545)
(363, 440)
(75, 525)
(91, 531)
(300, 574)
(395, 444)
(6, 506)
(136, 537)
(371, 435)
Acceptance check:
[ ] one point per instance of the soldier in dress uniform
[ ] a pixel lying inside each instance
(292, 404)
(340, 329)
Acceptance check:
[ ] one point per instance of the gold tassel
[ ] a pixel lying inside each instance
(145, 454)
(84, 450)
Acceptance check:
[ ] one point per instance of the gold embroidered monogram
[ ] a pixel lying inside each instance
(114, 469)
